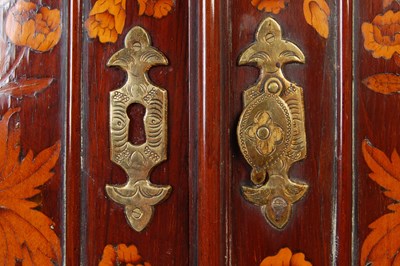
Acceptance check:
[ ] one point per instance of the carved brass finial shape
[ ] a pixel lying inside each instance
(271, 131)
(138, 195)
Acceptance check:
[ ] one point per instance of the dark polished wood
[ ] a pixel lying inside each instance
(376, 119)
(206, 220)
(167, 237)
(73, 133)
(344, 107)
(209, 129)
(42, 122)
(311, 225)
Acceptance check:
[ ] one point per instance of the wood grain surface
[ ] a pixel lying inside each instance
(376, 119)
(41, 118)
(311, 226)
(166, 239)
(206, 220)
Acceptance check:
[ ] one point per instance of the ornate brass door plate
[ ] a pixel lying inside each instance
(138, 195)
(271, 131)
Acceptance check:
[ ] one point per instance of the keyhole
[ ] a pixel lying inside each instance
(137, 133)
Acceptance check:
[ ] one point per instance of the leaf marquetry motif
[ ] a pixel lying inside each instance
(382, 245)
(26, 234)
(384, 83)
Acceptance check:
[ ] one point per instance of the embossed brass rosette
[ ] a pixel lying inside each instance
(138, 195)
(271, 131)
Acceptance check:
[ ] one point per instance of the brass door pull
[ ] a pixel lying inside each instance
(271, 131)
(138, 195)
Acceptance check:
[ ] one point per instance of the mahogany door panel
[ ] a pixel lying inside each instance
(311, 228)
(67, 197)
(166, 238)
(33, 93)
(376, 133)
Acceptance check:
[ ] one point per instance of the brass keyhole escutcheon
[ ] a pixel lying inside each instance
(271, 131)
(138, 195)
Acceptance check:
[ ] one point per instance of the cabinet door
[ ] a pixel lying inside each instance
(144, 98)
(312, 215)
(257, 40)
(172, 132)
(55, 132)
(375, 133)
(33, 137)
(349, 214)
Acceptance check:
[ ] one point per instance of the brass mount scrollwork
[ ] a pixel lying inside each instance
(271, 131)
(138, 195)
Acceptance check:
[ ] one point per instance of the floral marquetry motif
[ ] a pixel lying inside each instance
(107, 18)
(32, 26)
(274, 6)
(122, 255)
(148, 156)
(155, 8)
(27, 234)
(382, 39)
(316, 12)
(381, 36)
(285, 257)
